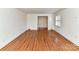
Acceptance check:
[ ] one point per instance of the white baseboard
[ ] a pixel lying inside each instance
(32, 28)
(11, 37)
(69, 38)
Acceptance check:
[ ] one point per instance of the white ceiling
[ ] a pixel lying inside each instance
(39, 10)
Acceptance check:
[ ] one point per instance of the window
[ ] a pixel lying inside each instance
(58, 21)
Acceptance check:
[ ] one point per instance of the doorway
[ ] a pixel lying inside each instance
(43, 22)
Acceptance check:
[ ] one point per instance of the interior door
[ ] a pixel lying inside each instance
(42, 21)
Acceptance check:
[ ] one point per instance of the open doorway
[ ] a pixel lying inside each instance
(43, 22)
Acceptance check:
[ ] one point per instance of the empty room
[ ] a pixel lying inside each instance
(39, 29)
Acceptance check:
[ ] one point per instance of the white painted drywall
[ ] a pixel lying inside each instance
(69, 24)
(12, 24)
(32, 21)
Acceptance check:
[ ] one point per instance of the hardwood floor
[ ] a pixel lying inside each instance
(40, 40)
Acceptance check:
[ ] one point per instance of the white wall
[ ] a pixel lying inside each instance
(12, 24)
(32, 20)
(70, 24)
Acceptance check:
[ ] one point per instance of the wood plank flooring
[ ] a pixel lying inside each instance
(40, 40)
